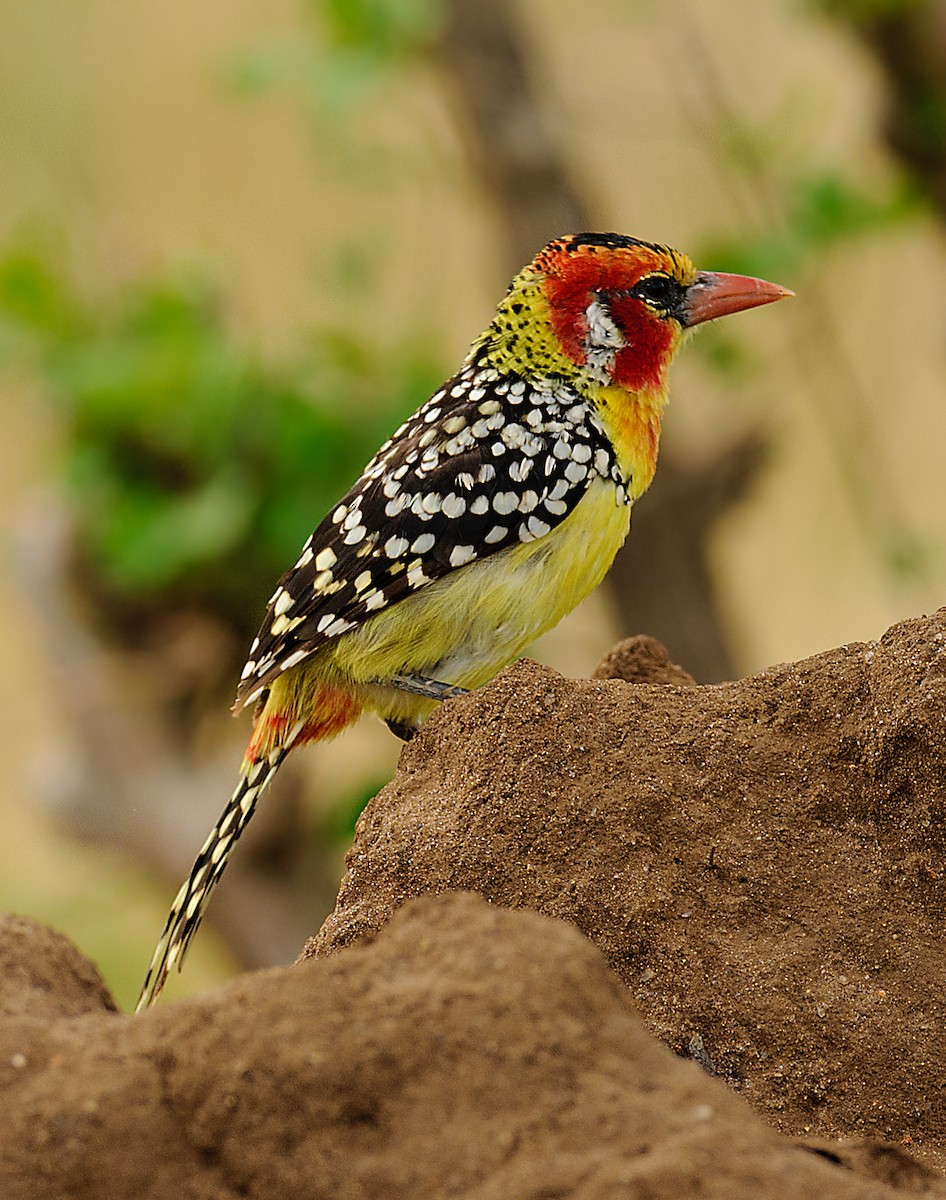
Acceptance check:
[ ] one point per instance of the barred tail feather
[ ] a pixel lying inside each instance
(188, 908)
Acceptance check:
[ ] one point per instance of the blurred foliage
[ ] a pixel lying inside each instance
(344, 53)
(195, 467)
(907, 40)
(335, 825)
(819, 215)
(821, 212)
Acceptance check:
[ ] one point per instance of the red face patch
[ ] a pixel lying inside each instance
(643, 361)
(571, 282)
(573, 279)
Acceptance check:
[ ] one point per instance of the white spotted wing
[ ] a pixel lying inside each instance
(485, 463)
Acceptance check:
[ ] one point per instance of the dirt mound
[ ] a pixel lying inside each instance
(471, 1051)
(761, 862)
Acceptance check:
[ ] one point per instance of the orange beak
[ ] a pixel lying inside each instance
(716, 295)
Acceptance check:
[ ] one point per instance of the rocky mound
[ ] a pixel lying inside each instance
(470, 1052)
(761, 862)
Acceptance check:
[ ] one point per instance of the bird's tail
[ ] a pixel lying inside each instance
(191, 901)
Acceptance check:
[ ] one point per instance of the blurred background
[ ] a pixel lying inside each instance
(239, 241)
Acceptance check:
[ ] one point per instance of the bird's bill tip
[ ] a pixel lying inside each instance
(715, 294)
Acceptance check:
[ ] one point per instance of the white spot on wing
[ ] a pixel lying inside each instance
(575, 471)
(339, 625)
(423, 544)
(519, 471)
(430, 503)
(293, 660)
(283, 624)
(394, 547)
(398, 504)
(460, 555)
(528, 501)
(453, 505)
(416, 576)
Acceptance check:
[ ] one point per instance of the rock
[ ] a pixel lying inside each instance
(470, 1051)
(761, 862)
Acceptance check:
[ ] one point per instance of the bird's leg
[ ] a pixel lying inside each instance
(430, 689)
(417, 685)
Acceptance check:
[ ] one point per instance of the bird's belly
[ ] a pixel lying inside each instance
(464, 628)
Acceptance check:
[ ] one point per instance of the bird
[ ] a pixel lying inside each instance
(486, 517)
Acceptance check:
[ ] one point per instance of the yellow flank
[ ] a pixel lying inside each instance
(464, 628)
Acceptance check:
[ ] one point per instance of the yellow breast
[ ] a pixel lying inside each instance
(464, 628)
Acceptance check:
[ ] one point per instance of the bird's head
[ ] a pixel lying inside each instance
(612, 309)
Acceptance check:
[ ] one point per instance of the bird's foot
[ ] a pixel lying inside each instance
(418, 685)
(430, 689)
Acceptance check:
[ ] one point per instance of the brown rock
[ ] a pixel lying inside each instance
(642, 659)
(470, 1052)
(43, 975)
(761, 862)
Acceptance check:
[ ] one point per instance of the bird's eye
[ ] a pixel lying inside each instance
(661, 291)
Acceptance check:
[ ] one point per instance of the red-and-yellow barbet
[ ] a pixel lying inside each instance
(488, 516)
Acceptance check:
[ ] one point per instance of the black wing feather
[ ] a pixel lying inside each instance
(485, 463)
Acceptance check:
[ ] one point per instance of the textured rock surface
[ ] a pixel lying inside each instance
(470, 1052)
(761, 861)
(761, 864)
